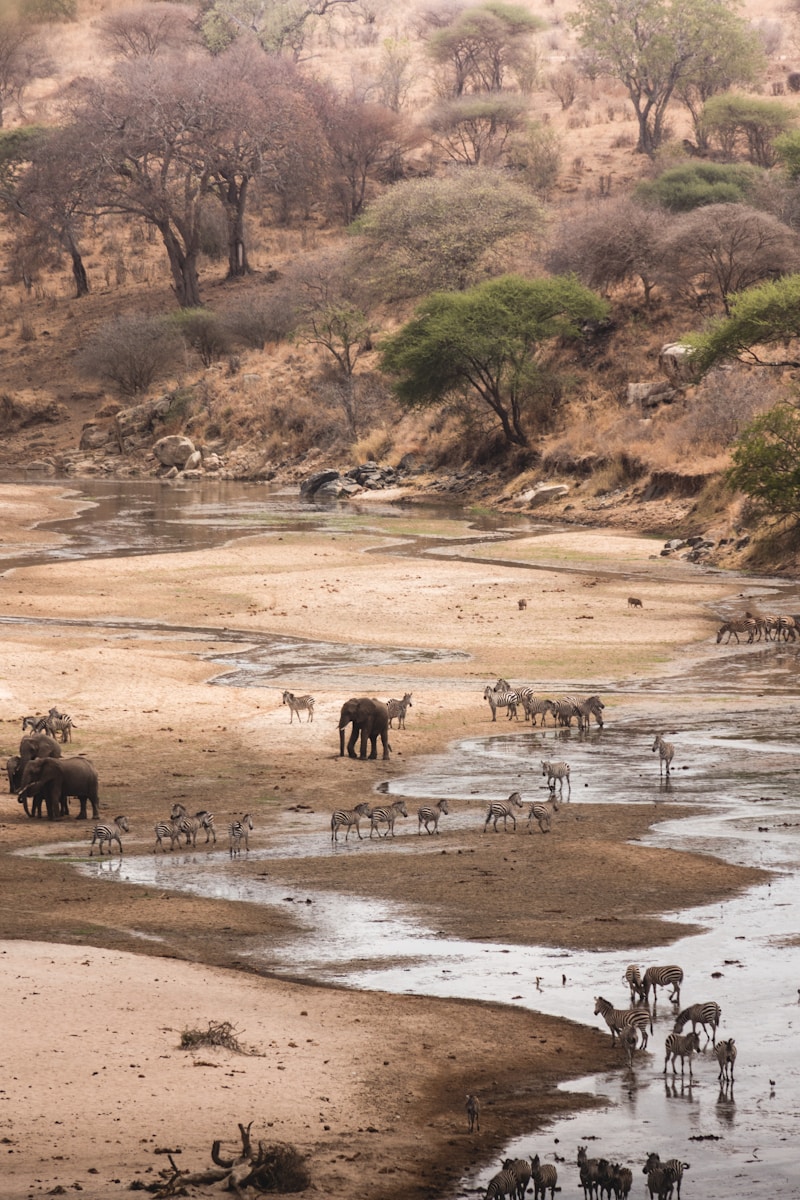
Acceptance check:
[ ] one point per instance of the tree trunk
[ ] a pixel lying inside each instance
(79, 273)
(183, 264)
(235, 204)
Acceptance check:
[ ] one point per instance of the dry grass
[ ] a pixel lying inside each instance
(218, 1033)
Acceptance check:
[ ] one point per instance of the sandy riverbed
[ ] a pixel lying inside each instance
(102, 978)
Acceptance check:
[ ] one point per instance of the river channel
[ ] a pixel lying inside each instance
(737, 765)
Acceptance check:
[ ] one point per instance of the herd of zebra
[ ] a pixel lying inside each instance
(628, 1024)
(181, 824)
(769, 628)
(564, 709)
(428, 814)
(598, 1176)
(56, 725)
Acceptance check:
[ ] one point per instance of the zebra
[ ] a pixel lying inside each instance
(746, 625)
(504, 809)
(673, 1165)
(619, 1019)
(624, 1180)
(589, 1169)
(726, 1057)
(191, 825)
(704, 1014)
(167, 829)
(661, 1182)
(656, 977)
(533, 705)
(397, 708)
(681, 1045)
(349, 817)
(502, 699)
(666, 752)
(238, 832)
(110, 834)
(60, 723)
(521, 1168)
(544, 1176)
(557, 771)
(564, 710)
(473, 1107)
(583, 707)
(629, 1041)
(502, 1184)
(298, 704)
(387, 813)
(787, 629)
(429, 814)
(35, 724)
(543, 813)
(634, 982)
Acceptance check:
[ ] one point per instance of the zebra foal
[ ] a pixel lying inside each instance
(167, 829)
(725, 1052)
(682, 1046)
(673, 1166)
(557, 771)
(533, 705)
(238, 832)
(110, 834)
(429, 814)
(543, 813)
(504, 809)
(397, 708)
(298, 704)
(348, 817)
(190, 826)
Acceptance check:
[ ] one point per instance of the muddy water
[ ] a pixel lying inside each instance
(738, 758)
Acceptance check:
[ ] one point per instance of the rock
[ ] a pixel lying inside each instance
(336, 489)
(542, 493)
(311, 485)
(142, 418)
(650, 395)
(174, 450)
(674, 361)
(99, 432)
(674, 544)
(193, 462)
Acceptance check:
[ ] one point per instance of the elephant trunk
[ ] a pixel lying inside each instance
(22, 799)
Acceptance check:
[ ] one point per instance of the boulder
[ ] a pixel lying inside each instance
(311, 485)
(142, 418)
(99, 433)
(193, 462)
(337, 489)
(650, 395)
(174, 450)
(542, 493)
(674, 361)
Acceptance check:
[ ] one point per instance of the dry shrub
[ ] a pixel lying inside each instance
(376, 446)
(282, 1170)
(217, 1033)
(719, 408)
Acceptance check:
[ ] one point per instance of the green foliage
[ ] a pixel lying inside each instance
(487, 344)
(16, 147)
(476, 128)
(536, 155)
(279, 25)
(747, 121)
(658, 47)
(766, 313)
(483, 44)
(766, 460)
(696, 185)
(204, 332)
(787, 148)
(438, 234)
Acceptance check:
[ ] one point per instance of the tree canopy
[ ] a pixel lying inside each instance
(760, 316)
(766, 460)
(747, 122)
(482, 45)
(655, 47)
(487, 345)
(694, 185)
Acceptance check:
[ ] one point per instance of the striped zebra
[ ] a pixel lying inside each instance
(503, 699)
(59, 723)
(564, 710)
(682, 1046)
(298, 704)
(557, 771)
(473, 1107)
(725, 1052)
(190, 825)
(167, 829)
(521, 1168)
(619, 1019)
(584, 707)
(589, 1170)
(544, 1176)
(534, 705)
(388, 813)
(634, 982)
(705, 1014)
(666, 752)
(543, 813)
(397, 708)
(238, 832)
(348, 817)
(624, 1180)
(661, 1183)
(429, 815)
(504, 809)
(673, 1165)
(502, 1184)
(110, 834)
(787, 629)
(656, 977)
(733, 628)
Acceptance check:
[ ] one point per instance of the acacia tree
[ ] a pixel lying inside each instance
(428, 234)
(476, 129)
(734, 57)
(365, 142)
(482, 45)
(653, 47)
(145, 29)
(733, 119)
(280, 26)
(22, 59)
(766, 460)
(760, 316)
(488, 344)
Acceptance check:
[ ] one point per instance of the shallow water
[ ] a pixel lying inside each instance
(737, 758)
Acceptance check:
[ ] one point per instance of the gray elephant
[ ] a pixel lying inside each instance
(54, 780)
(35, 745)
(14, 772)
(370, 719)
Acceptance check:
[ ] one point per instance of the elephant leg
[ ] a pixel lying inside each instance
(386, 748)
(351, 742)
(364, 740)
(373, 742)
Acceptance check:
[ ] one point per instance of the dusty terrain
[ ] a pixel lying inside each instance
(103, 978)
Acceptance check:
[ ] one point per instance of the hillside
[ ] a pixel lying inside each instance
(282, 408)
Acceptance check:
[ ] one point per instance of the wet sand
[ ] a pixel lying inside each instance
(158, 734)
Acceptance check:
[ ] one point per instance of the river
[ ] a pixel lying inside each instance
(738, 762)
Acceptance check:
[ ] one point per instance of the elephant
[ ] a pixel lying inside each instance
(54, 780)
(370, 718)
(14, 772)
(38, 745)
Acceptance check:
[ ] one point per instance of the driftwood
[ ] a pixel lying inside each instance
(274, 1167)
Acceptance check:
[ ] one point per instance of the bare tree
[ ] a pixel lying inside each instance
(145, 29)
(22, 59)
(563, 83)
(610, 243)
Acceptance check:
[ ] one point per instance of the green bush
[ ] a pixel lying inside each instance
(695, 185)
(766, 460)
(205, 332)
